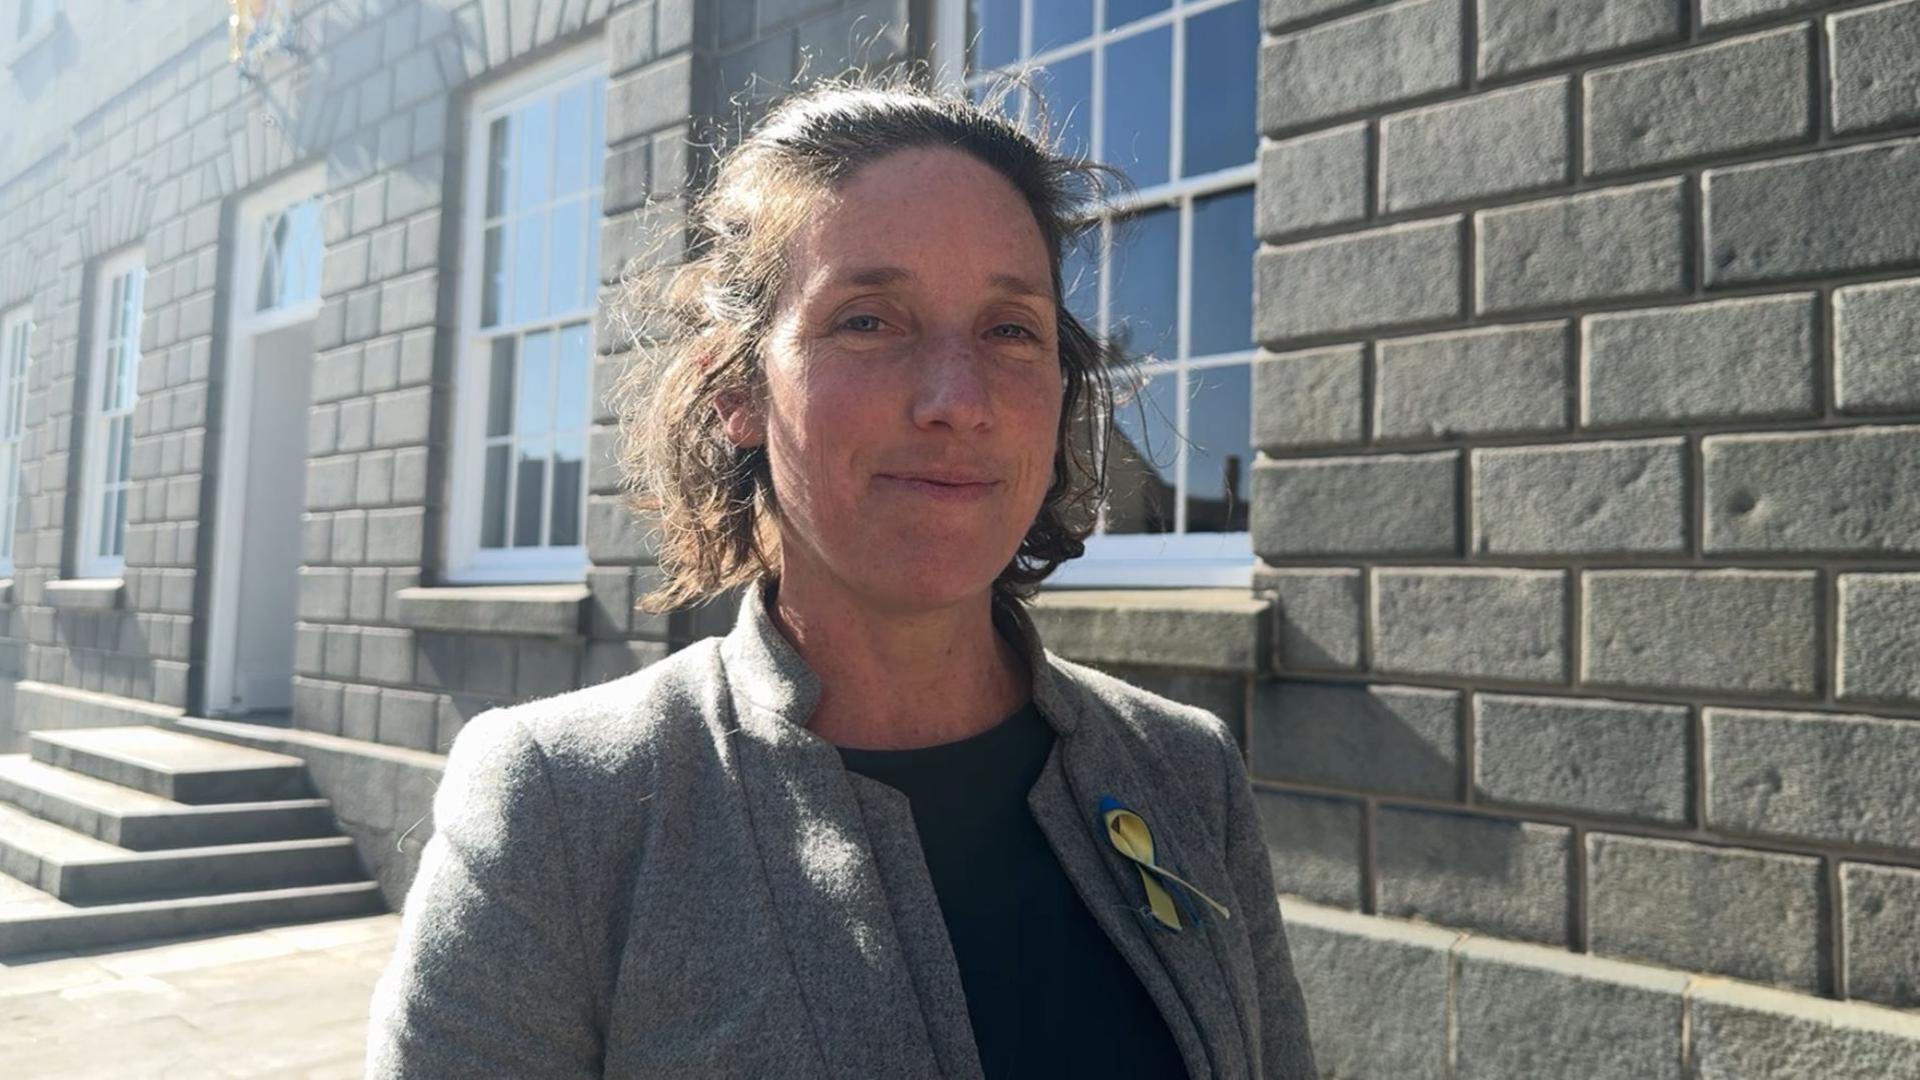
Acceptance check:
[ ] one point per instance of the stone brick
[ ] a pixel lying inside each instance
(1356, 971)
(1876, 330)
(1521, 35)
(1583, 498)
(360, 713)
(1618, 758)
(1314, 844)
(386, 655)
(544, 667)
(1389, 504)
(1312, 182)
(1378, 57)
(1882, 906)
(1280, 14)
(1308, 399)
(1496, 143)
(1720, 13)
(1855, 491)
(1749, 914)
(1724, 360)
(1220, 630)
(340, 657)
(1880, 637)
(396, 537)
(1742, 1031)
(1517, 620)
(1400, 740)
(407, 719)
(1508, 878)
(1319, 616)
(1732, 631)
(1822, 776)
(1614, 244)
(1875, 82)
(1838, 211)
(403, 417)
(323, 593)
(1401, 275)
(651, 98)
(1225, 696)
(1436, 386)
(1745, 94)
(1523, 1012)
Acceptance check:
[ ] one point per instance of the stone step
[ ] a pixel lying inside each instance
(81, 869)
(183, 768)
(141, 821)
(47, 924)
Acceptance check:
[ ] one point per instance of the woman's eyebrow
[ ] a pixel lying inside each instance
(882, 276)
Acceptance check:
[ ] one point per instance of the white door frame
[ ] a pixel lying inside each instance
(244, 327)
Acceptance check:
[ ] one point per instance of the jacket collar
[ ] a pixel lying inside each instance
(764, 667)
(875, 966)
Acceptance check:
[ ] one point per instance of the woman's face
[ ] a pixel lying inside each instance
(913, 383)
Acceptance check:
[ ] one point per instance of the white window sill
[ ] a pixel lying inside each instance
(526, 610)
(86, 594)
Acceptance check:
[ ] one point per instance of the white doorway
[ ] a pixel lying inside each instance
(263, 451)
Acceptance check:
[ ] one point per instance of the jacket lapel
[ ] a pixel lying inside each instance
(861, 921)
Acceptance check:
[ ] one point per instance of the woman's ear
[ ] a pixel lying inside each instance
(739, 420)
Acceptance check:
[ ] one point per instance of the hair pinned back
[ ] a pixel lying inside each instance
(700, 326)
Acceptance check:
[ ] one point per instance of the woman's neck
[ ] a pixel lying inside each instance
(900, 679)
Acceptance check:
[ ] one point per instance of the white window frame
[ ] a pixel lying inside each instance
(16, 335)
(30, 32)
(95, 456)
(466, 561)
(1177, 558)
(246, 323)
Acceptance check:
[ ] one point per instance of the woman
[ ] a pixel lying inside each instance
(877, 830)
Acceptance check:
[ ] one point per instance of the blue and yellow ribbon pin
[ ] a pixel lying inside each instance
(1128, 833)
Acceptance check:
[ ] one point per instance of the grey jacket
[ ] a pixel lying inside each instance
(669, 875)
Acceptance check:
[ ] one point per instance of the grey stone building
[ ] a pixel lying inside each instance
(1530, 466)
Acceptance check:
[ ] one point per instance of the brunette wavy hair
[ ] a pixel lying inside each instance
(699, 325)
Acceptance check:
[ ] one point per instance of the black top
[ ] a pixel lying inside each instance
(1047, 992)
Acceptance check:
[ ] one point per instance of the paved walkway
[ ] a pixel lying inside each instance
(287, 1001)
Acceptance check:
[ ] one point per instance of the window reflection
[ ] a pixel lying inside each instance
(1142, 457)
(1220, 448)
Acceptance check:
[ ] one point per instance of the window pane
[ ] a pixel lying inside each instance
(590, 280)
(301, 256)
(1221, 306)
(110, 450)
(1143, 454)
(1121, 12)
(1222, 53)
(1139, 108)
(497, 167)
(564, 264)
(270, 238)
(534, 416)
(117, 543)
(493, 278)
(1060, 22)
(993, 33)
(567, 468)
(105, 546)
(115, 307)
(1009, 104)
(597, 130)
(529, 493)
(570, 384)
(529, 268)
(124, 455)
(500, 388)
(493, 506)
(1220, 454)
(1144, 297)
(533, 155)
(572, 117)
(1066, 88)
(1080, 278)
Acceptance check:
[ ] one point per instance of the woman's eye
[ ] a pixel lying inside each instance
(1018, 328)
(867, 322)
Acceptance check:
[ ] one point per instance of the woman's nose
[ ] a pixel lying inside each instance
(952, 386)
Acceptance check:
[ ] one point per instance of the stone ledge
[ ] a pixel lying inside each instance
(86, 594)
(1219, 630)
(1560, 1007)
(528, 610)
(6, 592)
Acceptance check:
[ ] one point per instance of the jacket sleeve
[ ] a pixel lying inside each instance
(1284, 1048)
(489, 974)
